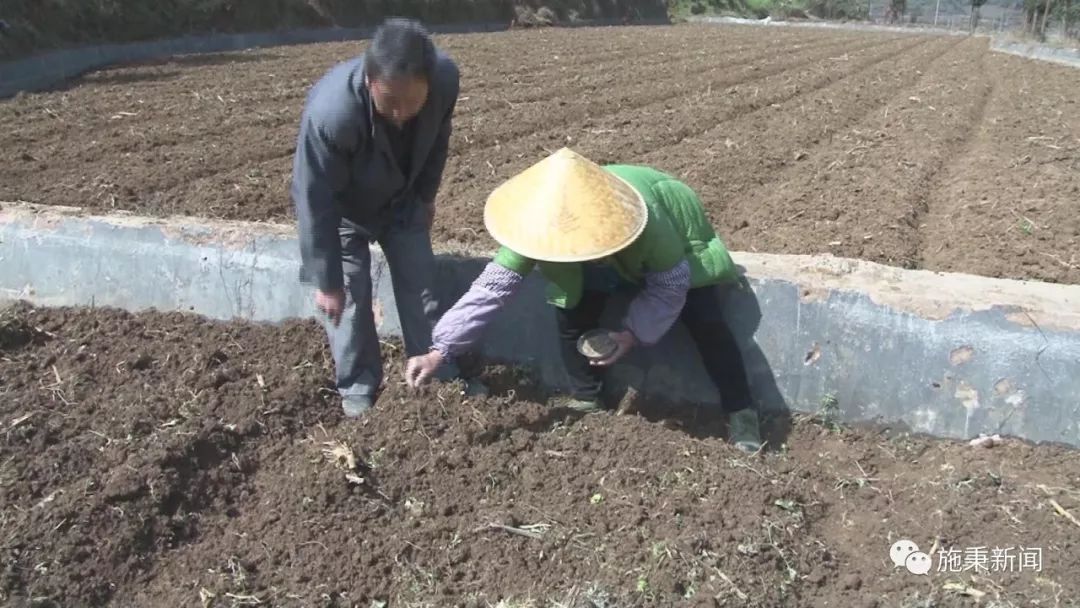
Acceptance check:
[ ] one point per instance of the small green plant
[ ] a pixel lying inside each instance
(786, 504)
(644, 589)
(376, 458)
(660, 550)
(689, 589)
(828, 415)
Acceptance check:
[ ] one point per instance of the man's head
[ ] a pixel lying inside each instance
(399, 64)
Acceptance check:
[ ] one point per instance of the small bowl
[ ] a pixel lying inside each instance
(596, 344)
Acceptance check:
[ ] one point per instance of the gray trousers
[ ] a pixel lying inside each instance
(354, 342)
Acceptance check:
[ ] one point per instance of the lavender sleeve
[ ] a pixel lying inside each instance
(462, 326)
(654, 310)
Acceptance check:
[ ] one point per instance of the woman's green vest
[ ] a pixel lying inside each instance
(677, 229)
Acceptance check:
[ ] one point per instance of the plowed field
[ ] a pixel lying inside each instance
(163, 460)
(915, 151)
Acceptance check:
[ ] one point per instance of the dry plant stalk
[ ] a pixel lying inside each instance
(343, 458)
(534, 531)
(1061, 511)
(963, 589)
(340, 454)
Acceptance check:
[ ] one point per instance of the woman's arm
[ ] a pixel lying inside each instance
(655, 308)
(463, 325)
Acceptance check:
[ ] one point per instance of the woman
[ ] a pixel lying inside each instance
(591, 230)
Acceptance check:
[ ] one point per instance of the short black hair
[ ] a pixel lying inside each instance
(401, 48)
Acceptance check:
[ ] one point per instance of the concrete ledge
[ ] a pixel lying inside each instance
(951, 355)
(1063, 56)
(47, 70)
(854, 26)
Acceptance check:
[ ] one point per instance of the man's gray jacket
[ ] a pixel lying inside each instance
(344, 167)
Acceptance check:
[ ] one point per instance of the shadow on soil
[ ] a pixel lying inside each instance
(708, 420)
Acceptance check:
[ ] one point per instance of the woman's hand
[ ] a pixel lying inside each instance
(422, 367)
(624, 343)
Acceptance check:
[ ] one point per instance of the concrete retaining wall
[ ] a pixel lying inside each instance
(829, 25)
(47, 70)
(952, 355)
(1064, 56)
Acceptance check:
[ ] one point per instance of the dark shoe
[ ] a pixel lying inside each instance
(744, 430)
(355, 406)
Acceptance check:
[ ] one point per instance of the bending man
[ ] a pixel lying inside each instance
(369, 159)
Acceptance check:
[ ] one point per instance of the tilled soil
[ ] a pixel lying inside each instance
(914, 151)
(163, 459)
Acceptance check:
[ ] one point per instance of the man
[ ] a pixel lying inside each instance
(590, 231)
(369, 159)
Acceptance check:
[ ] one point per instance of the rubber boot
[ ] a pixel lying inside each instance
(745, 430)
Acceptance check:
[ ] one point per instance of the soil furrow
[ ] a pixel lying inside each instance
(586, 48)
(623, 142)
(163, 191)
(226, 116)
(735, 157)
(779, 104)
(1007, 205)
(526, 119)
(599, 77)
(694, 127)
(935, 173)
(858, 197)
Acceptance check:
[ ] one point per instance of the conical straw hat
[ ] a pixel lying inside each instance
(565, 208)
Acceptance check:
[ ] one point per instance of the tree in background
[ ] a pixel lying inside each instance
(1032, 15)
(824, 9)
(976, 9)
(1071, 13)
(896, 11)
(1039, 13)
(1045, 18)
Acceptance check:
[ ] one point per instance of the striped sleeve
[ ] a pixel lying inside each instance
(656, 307)
(464, 324)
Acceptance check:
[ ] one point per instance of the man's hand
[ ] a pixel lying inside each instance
(332, 303)
(422, 367)
(624, 342)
